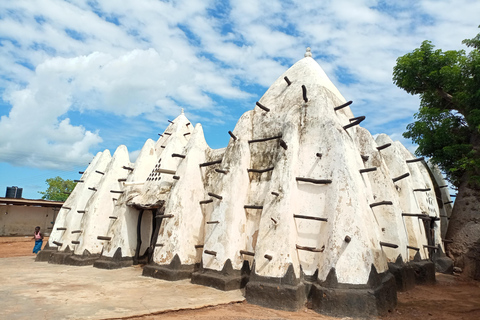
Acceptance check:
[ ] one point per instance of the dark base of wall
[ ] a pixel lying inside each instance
(226, 279)
(115, 262)
(45, 253)
(424, 271)
(286, 293)
(443, 264)
(404, 274)
(86, 259)
(374, 299)
(60, 257)
(171, 272)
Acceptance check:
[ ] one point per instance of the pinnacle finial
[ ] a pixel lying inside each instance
(182, 111)
(309, 52)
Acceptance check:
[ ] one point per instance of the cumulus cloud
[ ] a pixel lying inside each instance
(142, 61)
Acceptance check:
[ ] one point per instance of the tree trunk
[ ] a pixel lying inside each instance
(464, 230)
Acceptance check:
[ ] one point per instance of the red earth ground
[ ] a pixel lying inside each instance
(452, 297)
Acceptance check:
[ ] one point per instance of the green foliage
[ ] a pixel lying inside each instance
(58, 189)
(447, 126)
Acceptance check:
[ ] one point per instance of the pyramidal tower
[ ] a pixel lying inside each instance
(302, 205)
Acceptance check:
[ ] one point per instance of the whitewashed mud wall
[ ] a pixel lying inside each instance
(302, 197)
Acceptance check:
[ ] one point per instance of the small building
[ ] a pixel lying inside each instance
(19, 217)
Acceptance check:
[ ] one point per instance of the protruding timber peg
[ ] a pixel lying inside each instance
(68, 208)
(430, 247)
(448, 202)
(206, 201)
(104, 238)
(276, 194)
(260, 170)
(412, 214)
(76, 231)
(381, 203)
(176, 177)
(186, 134)
(206, 164)
(159, 244)
(81, 211)
(445, 186)
(287, 80)
(415, 160)
(425, 217)
(164, 216)
(167, 133)
(368, 170)
(92, 188)
(447, 241)
(213, 222)
(422, 190)
(346, 104)
(127, 168)
(318, 155)
(268, 257)
(347, 239)
(232, 135)
(122, 180)
(211, 194)
(78, 181)
(81, 172)
(170, 121)
(75, 242)
(283, 144)
(390, 245)
(261, 106)
(356, 121)
(453, 195)
(312, 249)
(309, 218)
(161, 135)
(315, 181)
(210, 252)
(401, 177)
(113, 217)
(274, 221)
(247, 253)
(365, 158)
(57, 243)
(61, 228)
(198, 246)
(304, 92)
(413, 248)
(176, 155)
(265, 139)
(115, 191)
(221, 171)
(165, 171)
(102, 173)
(252, 207)
(384, 146)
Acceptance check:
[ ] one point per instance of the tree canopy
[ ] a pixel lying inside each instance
(58, 189)
(447, 124)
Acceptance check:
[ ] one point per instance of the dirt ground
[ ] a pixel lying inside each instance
(452, 297)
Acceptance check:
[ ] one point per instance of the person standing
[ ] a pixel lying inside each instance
(38, 237)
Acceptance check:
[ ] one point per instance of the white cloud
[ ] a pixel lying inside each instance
(144, 60)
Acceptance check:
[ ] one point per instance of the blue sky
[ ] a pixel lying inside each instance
(78, 77)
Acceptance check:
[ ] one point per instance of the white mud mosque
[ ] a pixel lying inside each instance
(303, 205)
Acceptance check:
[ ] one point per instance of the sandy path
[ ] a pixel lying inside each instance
(451, 298)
